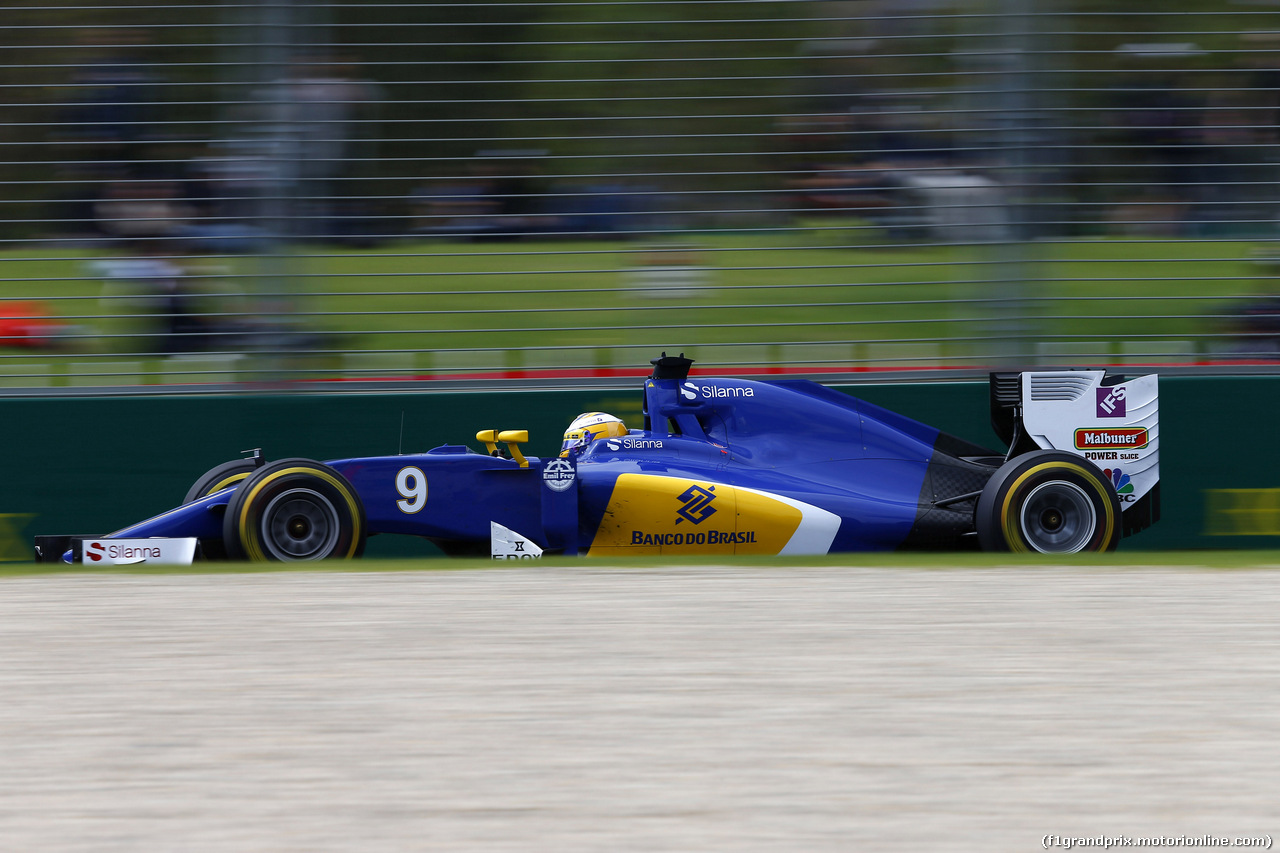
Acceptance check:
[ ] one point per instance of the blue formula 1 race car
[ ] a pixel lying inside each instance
(722, 466)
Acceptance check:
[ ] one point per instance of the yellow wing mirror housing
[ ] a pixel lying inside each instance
(513, 438)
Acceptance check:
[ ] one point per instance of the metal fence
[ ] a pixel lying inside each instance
(232, 194)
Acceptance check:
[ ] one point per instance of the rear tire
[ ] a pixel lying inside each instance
(1050, 502)
(292, 510)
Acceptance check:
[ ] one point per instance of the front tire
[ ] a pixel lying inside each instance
(1050, 502)
(293, 510)
(215, 480)
(220, 477)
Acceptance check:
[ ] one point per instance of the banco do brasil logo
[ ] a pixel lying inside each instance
(697, 504)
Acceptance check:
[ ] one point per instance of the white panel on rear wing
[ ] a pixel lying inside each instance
(1115, 426)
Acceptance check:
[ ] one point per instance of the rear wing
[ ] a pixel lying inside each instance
(1112, 421)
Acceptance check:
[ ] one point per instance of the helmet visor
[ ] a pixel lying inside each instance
(575, 443)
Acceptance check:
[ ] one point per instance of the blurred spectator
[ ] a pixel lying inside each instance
(1254, 332)
(152, 288)
(319, 122)
(107, 123)
(141, 210)
(504, 196)
(892, 168)
(150, 223)
(113, 97)
(465, 208)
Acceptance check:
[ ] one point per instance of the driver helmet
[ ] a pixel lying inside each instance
(586, 428)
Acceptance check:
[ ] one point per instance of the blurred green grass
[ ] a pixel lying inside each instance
(742, 288)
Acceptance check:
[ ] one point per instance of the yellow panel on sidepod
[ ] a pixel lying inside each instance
(652, 515)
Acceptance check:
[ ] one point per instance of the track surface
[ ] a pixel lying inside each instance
(627, 710)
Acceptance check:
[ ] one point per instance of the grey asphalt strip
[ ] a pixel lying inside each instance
(592, 709)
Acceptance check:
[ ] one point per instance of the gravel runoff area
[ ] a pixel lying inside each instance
(703, 709)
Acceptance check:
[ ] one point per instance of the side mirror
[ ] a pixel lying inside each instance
(514, 438)
(490, 439)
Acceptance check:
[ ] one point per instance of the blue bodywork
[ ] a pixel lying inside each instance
(872, 479)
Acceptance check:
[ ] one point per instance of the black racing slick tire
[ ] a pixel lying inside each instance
(1050, 502)
(291, 510)
(220, 477)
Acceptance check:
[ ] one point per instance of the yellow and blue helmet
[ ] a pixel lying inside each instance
(586, 428)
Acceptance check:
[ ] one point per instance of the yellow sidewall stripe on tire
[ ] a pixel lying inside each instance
(253, 548)
(226, 481)
(1013, 536)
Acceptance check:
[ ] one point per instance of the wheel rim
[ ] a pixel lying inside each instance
(300, 524)
(1058, 518)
